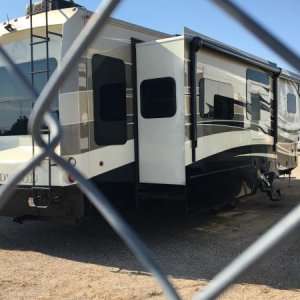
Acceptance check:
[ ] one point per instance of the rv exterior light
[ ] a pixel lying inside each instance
(9, 28)
(72, 161)
(71, 178)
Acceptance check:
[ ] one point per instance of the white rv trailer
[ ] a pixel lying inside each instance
(145, 115)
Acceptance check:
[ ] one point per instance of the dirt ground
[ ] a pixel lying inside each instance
(54, 261)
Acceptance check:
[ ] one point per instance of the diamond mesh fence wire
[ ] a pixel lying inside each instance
(41, 115)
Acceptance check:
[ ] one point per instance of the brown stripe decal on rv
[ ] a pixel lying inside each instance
(79, 138)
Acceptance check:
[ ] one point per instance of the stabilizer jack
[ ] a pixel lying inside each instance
(266, 184)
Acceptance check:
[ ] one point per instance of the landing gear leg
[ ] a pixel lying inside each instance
(266, 182)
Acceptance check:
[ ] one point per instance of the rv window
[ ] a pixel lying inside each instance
(255, 106)
(291, 103)
(14, 117)
(223, 108)
(112, 102)
(258, 95)
(158, 98)
(257, 76)
(216, 100)
(258, 108)
(109, 100)
(15, 105)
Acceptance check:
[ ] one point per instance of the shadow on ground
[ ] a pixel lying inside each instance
(195, 247)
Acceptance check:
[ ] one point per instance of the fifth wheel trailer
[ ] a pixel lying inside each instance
(145, 115)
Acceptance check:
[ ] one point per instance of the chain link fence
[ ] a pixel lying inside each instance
(41, 115)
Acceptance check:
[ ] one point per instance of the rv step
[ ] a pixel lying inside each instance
(45, 131)
(54, 33)
(40, 37)
(40, 42)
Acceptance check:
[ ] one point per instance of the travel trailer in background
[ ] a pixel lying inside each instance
(145, 116)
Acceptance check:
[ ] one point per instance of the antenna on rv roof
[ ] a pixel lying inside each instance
(9, 27)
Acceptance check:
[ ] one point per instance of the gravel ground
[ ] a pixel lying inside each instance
(53, 261)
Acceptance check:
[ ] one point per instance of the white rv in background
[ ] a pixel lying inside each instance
(145, 115)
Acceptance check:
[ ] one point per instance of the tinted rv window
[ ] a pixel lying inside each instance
(158, 98)
(15, 105)
(216, 100)
(223, 108)
(109, 88)
(255, 106)
(258, 95)
(258, 76)
(291, 103)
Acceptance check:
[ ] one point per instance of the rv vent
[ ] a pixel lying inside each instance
(40, 6)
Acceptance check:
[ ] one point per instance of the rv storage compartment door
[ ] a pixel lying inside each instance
(160, 85)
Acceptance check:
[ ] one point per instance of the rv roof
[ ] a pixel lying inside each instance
(290, 75)
(57, 17)
(135, 27)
